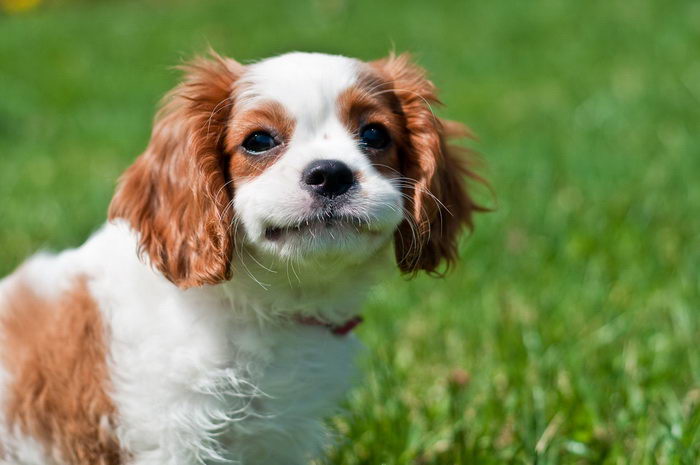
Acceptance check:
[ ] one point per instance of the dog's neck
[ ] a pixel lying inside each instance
(331, 292)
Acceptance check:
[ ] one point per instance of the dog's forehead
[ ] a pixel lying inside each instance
(304, 83)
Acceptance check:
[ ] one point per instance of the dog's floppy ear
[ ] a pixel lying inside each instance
(177, 194)
(438, 204)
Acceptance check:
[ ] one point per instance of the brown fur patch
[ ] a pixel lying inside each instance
(56, 356)
(177, 194)
(437, 174)
(371, 101)
(268, 116)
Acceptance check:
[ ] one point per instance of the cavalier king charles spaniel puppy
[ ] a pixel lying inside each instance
(209, 319)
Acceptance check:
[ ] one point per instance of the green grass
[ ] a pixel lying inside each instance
(569, 332)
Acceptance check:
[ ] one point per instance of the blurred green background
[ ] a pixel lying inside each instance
(569, 333)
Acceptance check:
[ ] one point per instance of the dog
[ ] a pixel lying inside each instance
(209, 320)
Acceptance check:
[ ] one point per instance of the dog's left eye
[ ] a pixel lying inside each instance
(374, 136)
(259, 142)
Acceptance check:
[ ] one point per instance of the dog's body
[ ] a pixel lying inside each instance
(207, 320)
(191, 380)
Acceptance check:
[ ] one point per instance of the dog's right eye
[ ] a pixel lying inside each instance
(259, 142)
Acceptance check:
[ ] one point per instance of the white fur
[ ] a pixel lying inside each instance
(224, 373)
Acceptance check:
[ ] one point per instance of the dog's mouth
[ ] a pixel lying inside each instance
(317, 226)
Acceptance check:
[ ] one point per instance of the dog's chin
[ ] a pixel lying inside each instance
(339, 237)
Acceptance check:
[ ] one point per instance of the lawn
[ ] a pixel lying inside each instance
(568, 334)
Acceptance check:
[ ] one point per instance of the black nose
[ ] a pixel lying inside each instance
(329, 178)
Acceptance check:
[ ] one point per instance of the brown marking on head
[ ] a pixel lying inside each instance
(435, 173)
(270, 117)
(370, 101)
(177, 194)
(56, 357)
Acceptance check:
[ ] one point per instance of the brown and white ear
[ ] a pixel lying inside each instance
(177, 194)
(438, 204)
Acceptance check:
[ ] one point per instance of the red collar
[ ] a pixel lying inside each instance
(338, 330)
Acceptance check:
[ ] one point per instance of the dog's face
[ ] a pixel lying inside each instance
(314, 163)
(304, 157)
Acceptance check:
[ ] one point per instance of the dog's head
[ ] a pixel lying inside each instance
(303, 156)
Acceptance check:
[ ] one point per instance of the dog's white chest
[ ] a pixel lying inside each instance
(264, 403)
(291, 380)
